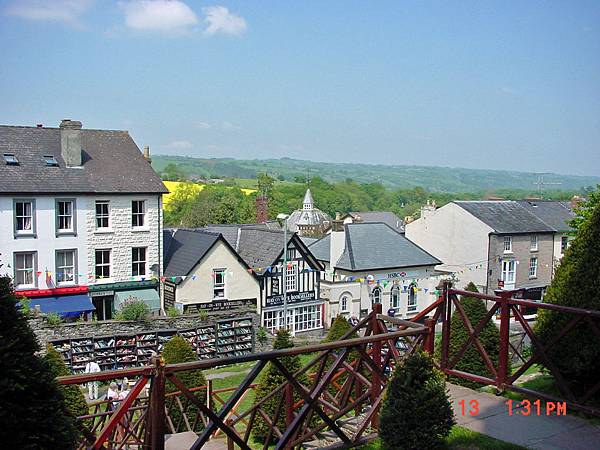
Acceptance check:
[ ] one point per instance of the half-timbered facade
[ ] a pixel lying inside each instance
(291, 283)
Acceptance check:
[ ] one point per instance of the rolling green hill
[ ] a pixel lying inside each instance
(435, 179)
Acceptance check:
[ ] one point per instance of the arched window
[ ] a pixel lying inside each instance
(376, 295)
(344, 303)
(412, 297)
(395, 297)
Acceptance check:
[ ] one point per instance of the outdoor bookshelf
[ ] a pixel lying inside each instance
(221, 339)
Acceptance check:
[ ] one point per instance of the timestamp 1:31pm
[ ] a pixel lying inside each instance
(537, 408)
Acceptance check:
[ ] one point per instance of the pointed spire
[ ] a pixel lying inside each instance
(308, 201)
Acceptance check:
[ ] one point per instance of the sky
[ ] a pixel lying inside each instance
(494, 84)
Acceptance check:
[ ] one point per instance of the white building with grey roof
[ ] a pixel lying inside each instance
(496, 244)
(368, 263)
(80, 218)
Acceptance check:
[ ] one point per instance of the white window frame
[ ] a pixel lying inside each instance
(395, 297)
(412, 302)
(272, 319)
(291, 276)
(344, 303)
(61, 266)
(508, 247)
(376, 298)
(219, 286)
(138, 218)
(103, 263)
(533, 267)
(28, 272)
(306, 318)
(24, 216)
(534, 242)
(65, 216)
(102, 215)
(509, 271)
(137, 262)
(564, 244)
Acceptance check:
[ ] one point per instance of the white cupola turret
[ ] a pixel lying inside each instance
(308, 203)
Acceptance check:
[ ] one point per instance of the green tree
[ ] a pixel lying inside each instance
(172, 173)
(472, 361)
(337, 330)
(416, 412)
(271, 378)
(584, 209)
(265, 183)
(179, 350)
(32, 407)
(576, 283)
(74, 398)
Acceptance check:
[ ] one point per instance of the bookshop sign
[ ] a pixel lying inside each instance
(219, 305)
(296, 297)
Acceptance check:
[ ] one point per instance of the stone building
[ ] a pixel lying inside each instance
(309, 221)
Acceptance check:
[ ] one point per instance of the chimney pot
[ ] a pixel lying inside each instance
(147, 154)
(40, 125)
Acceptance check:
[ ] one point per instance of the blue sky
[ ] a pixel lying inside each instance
(506, 85)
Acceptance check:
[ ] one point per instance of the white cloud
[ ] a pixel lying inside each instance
(66, 11)
(220, 20)
(202, 125)
(230, 126)
(168, 16)
(180, 145)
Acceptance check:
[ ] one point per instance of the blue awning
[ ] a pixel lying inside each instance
(65, 305)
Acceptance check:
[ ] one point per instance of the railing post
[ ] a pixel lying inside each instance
(376, 355)
(429, 344)
(230, 446)
(446, 320)
(504, 338)
(157, 405)
(209, 390)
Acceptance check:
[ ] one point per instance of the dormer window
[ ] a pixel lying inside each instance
(10, 159)
(50, 161)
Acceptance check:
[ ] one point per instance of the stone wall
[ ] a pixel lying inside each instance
(46, 333)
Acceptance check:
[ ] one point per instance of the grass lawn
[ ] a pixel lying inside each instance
(463, 439)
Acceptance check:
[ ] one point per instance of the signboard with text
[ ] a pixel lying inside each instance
(219, 305)
(169, 290)
(295, 297)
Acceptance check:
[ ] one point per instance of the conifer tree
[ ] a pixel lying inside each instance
(416, 412)
(472, 361)
(32, 410)
(179, 350)
(576, 283)
(337, 330)
(270, 379)
(74, 398)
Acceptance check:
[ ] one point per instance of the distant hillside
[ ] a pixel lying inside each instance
(440, 179)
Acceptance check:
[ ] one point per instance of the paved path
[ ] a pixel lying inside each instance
(538, 432)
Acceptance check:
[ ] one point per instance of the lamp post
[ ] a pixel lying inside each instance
(284, 218)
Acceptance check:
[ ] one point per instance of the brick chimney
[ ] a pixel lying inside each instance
(147, 154)
(70, 142)
(262, 209)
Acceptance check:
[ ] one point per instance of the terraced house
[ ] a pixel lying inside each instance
(80, 218)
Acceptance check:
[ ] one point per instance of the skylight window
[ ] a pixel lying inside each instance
(11, 160)
(50, 160)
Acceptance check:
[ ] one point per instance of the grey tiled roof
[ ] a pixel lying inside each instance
(555, 214)
(372, 246)
(308, 240)
(184, 249)
(111, 163)
(505, 216)
(387, 217)
(321, 248)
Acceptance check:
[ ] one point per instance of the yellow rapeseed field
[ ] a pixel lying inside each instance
(173, 185)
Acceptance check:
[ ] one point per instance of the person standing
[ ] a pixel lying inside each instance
(92, 367)
(113, 395)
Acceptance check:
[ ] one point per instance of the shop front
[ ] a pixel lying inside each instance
(109, 298)
(305, 312)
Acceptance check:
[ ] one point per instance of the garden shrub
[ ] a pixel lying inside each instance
(32, 406)
(416, 411)
(134, 309)
(472, 361)
(576, 283)
(179, 350)
(271, 378)
(74, 398)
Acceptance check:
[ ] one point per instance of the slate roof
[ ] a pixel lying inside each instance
(111, 163)
(506, 216)
(371, 246)
(555, 214)
(386, 217)
(257, 245)
(184, 249)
